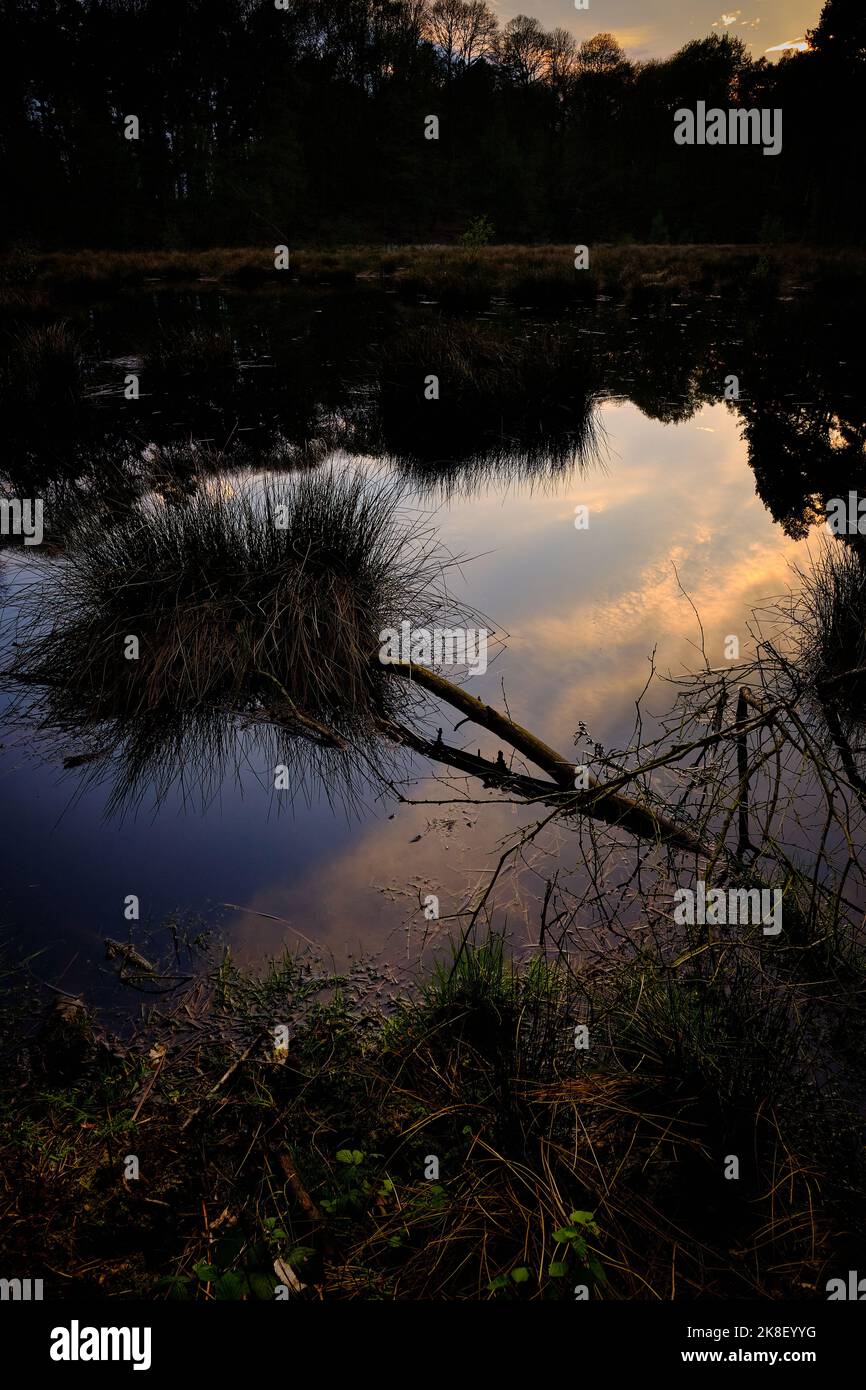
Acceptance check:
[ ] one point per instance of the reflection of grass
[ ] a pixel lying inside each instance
(192, 350)
(461, 1148)
(44, 365)
(534, 391)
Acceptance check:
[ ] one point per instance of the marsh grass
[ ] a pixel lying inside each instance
(466, 277)
(252, 600)
(43, 366)
(829, 623)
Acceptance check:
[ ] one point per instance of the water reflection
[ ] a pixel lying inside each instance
(627, 419)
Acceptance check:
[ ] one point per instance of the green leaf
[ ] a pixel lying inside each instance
(178, 1285)
(263, 1286)
(350, 1156)
(298, 1254)
(596, 1269)
(206, 1273)
(557, 1269)
(231, 1286)
(587, 1219)
(520, 1275)
(566, 1233)
(500, 1282)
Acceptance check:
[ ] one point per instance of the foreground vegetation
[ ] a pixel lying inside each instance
(556, 1169)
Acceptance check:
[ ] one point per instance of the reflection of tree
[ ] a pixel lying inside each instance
(803, 422)
(657, 365)
(517, 402)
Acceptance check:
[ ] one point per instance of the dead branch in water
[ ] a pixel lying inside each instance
(612, 807)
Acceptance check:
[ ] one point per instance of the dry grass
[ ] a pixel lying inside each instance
(467, 277)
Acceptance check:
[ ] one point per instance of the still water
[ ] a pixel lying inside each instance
(675, 525)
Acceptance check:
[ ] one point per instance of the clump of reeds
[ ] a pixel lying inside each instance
(829, 628)
(44, 366)
(252, 599)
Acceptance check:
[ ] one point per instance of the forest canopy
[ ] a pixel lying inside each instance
(310, 123)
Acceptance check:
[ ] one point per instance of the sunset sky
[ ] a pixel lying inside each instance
(656, 28)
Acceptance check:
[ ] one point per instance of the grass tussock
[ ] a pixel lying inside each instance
(250, 597)
(44, 365)
(829, 626)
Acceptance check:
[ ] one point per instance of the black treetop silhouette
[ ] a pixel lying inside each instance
(266, 125)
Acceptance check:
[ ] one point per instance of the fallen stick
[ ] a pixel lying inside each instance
(224, 1078)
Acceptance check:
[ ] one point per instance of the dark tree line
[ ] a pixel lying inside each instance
(307, 123)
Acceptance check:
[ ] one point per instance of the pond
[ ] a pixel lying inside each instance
(697, 507)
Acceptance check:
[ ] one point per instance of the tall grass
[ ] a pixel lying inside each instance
(44, 365)
(830, 626)
(465, 278)
(251, 600)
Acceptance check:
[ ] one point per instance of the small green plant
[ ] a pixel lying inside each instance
(574, 1238)
(659, 233)
(573, 1244)
(519, 1275)
(236, 1270)
(354, 1187)
(478, 233)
